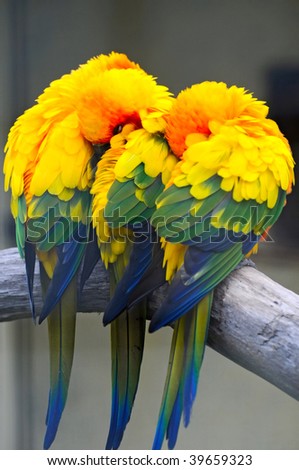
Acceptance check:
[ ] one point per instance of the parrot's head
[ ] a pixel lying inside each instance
(114, 60)
(121, 96)
(198, 108)
(93, 67)
(223, 132)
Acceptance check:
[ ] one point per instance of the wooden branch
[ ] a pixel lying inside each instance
(255, 321)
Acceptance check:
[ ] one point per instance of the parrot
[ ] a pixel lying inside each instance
(50, 162)
(229, 185)
(139, 138)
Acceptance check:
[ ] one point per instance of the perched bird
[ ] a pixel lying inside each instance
(229, 186)
(138, 138)
(51, 154)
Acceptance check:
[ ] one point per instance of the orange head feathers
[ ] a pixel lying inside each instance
(115, 98)
(79, 109)
(222, 131)
(197, 107)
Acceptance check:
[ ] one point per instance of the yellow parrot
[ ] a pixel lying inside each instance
(141, 135)
(51, 154)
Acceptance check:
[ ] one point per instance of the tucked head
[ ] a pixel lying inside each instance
(224, 132)
(198, 107)
(106, 92)
(117, 97)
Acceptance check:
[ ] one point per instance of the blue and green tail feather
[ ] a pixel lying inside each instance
(127, 343)
(61, 332)
(186, 356)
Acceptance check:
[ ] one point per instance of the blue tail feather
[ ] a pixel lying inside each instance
(91, 258)
(187, 352)
(61, 327)
(30, 256)
(171, 388)
(127, 341)
(60, 306)
(175, 420)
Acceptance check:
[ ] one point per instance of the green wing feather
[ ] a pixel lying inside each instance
(133, 198)
(217, 211)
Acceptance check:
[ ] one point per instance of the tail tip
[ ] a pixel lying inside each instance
(48, 440)
(154, 325)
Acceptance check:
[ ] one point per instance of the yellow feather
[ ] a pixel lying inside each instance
(14, 207)
(199, 174)
(126, 164)
(56, 186)
(272, 197)
(283, 172)
(252, 189)
(237, 192)
(66, 194)
(199, 191)
(49, 260)
(180, 181)
(169, 165)
(173, 257)
(227, 184)
(73, 145)
(17, 185)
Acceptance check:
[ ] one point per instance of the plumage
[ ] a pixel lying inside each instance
(30, 257)
(135, 214)
(236, 192)
(186, 356)
(120, 210)
(127, 343)
(228, 186)
(51, 155)
(61, 327)
(178, 191)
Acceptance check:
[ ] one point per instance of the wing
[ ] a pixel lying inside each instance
(219, 215)
(47, 169)
(141, 174)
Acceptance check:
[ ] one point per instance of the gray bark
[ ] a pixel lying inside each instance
(255, 321)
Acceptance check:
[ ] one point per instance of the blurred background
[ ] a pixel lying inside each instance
(252, 44)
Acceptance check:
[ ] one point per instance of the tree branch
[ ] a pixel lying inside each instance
(255, 321)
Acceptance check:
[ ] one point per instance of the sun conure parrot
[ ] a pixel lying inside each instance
(51, 153)
(235, 169)
(137, 139)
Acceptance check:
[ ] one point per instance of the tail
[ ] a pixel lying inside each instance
(186, 356)
(30, 255)
(127, 343)
(61, 332)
